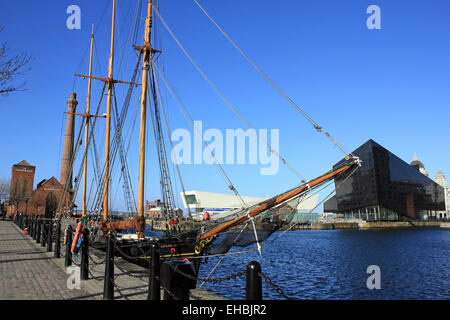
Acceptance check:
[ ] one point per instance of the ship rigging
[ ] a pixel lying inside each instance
(247, 225)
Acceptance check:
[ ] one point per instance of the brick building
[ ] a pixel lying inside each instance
(153, 210)
(22, 181)
(43, 200)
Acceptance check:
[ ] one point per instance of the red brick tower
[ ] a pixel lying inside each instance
(22, 180)
(66, 169)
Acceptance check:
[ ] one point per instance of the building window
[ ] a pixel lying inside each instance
(190, 199)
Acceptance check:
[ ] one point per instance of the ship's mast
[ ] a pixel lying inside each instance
(147, 51)
(108, 117)
(110, 81)
(86, 127)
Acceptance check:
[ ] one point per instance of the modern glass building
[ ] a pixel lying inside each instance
(385, 188)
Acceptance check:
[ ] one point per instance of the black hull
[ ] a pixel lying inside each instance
(170, 249)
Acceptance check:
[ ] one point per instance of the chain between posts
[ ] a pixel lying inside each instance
(239, 274)
(95, 263)
(232, 276)
(130, 273)
(274, 286)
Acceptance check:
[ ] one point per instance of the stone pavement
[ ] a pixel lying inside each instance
(29, 272)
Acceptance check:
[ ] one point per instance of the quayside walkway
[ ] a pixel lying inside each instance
(29, 272)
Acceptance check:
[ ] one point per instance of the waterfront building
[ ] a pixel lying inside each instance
(385, 188)
(199, 202)
(303, 216)
(22, 181)
(442, 181)
(152, 209)
(418, 165)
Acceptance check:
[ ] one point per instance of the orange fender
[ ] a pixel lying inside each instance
(77, 235)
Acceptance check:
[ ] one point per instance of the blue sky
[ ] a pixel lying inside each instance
(390, 85)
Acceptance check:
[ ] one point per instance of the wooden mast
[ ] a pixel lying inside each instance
(110, 82)
(86, 127)
(277, 200)
(146, 50)
(108, 118)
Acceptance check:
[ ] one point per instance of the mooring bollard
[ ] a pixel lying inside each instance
(108, 284)
(38, 231)
(49, 236)
(177, 277)
(154, 288)
(68, 258)
(253, 288)
(85, 255)
(58, 240)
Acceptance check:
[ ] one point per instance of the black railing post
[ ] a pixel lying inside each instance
(58, 240)
(68, 258)
(49, 236)
(253, 290)
(85, 255)
(38, 231)
(43, 233)
(34, 227)
(108, 284)
(154, 288)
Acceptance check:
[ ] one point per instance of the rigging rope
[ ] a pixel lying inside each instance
(322, 201)
(227, 102)
(297, 107)
(175, 163)
(190, 121)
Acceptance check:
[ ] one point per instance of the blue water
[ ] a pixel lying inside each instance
(332, 264)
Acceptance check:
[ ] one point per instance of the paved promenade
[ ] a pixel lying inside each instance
(29, 272)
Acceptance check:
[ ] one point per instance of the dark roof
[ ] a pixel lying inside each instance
(41, 183)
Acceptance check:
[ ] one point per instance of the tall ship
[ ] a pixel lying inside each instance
(249, 225)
